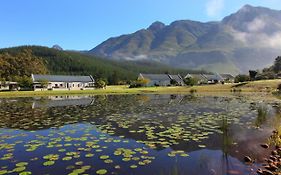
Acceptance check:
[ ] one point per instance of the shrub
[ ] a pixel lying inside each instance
(174, 82)
(190, 81)
(139, 83)
(100, 83)
(241, 78)
(279, 87)
(192, 91)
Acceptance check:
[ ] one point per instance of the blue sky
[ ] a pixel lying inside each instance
(83, 24)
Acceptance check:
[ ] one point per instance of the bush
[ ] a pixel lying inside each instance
(100, 83)
(174, 82)
(139, 83)
(190, 81)
(192, 91)
(24, 82)
(241, 78)
(279, 87)
(236, 90)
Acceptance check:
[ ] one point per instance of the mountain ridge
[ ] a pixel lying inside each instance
(246, 39)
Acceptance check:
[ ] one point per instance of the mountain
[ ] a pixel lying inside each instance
(247, 39)
(58, 47)
(24, 60)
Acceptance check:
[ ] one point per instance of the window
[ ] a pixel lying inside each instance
(78, 85)
(72, 85)
(56, 85)
(61, 85)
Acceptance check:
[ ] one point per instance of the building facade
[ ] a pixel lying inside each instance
(161, 79)
(62, 82)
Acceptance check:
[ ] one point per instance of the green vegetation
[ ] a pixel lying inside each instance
(20, 64)
(44, 83)
(100, 83)
(241, 78)
(139, 83)
(190, 81)
(24, 60)
(268, 73)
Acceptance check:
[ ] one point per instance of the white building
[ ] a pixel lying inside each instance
(62, 82)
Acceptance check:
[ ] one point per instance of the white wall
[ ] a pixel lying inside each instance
(65, 86)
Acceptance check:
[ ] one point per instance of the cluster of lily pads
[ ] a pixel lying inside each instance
(112, 134)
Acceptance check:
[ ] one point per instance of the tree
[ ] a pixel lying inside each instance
(241, 78)
(190, 81)
(277, 65)
(100, 83)
(253, 74)
(3, 82)
(24, 82)
(114, 78)
(43, 83)
(173, 82)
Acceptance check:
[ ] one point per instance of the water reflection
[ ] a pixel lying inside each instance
(57, 101)
(170, 134)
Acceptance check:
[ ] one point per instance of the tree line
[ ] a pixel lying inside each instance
(18, 63)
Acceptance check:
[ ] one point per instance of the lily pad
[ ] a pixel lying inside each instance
(101, 171)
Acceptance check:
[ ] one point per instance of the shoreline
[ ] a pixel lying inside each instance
(263, 86)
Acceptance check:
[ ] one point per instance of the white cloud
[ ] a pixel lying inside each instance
(256, 25)
(255, 35)
(137, 57)
(214, 7)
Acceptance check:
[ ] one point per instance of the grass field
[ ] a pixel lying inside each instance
(255, 86)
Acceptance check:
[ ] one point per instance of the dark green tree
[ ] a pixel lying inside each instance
(277, 65)
(241, 78)
(253, 74)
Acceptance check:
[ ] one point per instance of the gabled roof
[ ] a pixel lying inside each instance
(178, 78)
(211, 77)
(62, 78)
(227, 76)
(196, 76)
(159, 77)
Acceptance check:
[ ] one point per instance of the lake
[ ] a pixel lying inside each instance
(134, 134)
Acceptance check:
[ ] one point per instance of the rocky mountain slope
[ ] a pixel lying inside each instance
(247, 39)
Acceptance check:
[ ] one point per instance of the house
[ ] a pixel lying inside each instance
(198, 77)
(156, 79)
(177, 78)
(161, 79)
(228, 78)
(62, 82)
(8, 86)
(213, 78)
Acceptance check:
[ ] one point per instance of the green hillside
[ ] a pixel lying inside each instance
(24, 60)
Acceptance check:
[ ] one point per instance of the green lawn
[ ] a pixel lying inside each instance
(255, 86)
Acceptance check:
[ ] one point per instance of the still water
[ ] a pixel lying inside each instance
(134, 134)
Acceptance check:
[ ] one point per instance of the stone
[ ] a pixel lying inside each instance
(247, 159)
(264, 145)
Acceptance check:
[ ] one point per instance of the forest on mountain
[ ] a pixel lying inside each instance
(23, 61)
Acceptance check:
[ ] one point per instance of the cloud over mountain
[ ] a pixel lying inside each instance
(247, 39)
